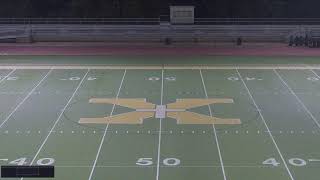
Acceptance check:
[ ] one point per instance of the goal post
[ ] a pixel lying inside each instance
(182, 14)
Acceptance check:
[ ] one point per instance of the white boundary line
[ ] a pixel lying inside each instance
(106, 129)
(160, 129)
(25, 98)
(298, 99)
(159, 67)
(58, 119)
(263, 120)
(214, 129)
(163, 166)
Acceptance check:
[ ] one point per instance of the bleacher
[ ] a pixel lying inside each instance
(151, 32)
(314, 38)
(9, 34)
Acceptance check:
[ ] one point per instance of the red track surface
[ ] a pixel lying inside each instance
(154, 49)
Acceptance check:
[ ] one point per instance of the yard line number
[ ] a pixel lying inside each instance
(9, 78)
(232, 78)
(155, 78)
(235, 78)
(298, 162)
(75, 78)
(313, 79)
(166, 162)
(40, 162)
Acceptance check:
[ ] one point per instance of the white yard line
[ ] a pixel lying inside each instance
(298, 99)
(160, 129)
(25, 98)
(106, 129)
(159, 67)
(4, 78)
(267, 127)
(214, 129)
(58, 119)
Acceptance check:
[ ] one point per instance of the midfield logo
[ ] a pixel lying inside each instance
(178, 110)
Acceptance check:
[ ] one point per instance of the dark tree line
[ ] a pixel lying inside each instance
(154, 8)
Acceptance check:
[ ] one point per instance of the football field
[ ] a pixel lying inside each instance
(136, 122)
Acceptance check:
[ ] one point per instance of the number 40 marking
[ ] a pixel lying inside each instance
(293, 161)
(41, 162)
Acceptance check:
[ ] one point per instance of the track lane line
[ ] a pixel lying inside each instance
(214, 128)
(106, 129)
(25, 98)
(263, 120)
(160, 129)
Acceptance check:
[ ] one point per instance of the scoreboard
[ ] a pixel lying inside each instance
(182, 14)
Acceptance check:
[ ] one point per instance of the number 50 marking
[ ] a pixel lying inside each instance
(166, 162)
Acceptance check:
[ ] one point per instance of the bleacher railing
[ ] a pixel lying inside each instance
(257, 21)
(155, 21)
(118, 21)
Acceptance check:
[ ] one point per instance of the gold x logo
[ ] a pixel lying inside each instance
(144, 110)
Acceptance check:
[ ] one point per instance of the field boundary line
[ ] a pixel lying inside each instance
(186, 166)
(160, 67)
(263, 120)
(160, 129)
(58, 119)
(297, 97)
(106, 128)
(25, 98)
(214, 128)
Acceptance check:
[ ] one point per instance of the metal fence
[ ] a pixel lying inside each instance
(257, 21)
(155, 21)
(117, 21)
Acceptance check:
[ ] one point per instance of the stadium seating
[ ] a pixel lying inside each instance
(153, 33)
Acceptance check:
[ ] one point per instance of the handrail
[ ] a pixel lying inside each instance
(151, 21)
(259, 21)
(79, 20)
